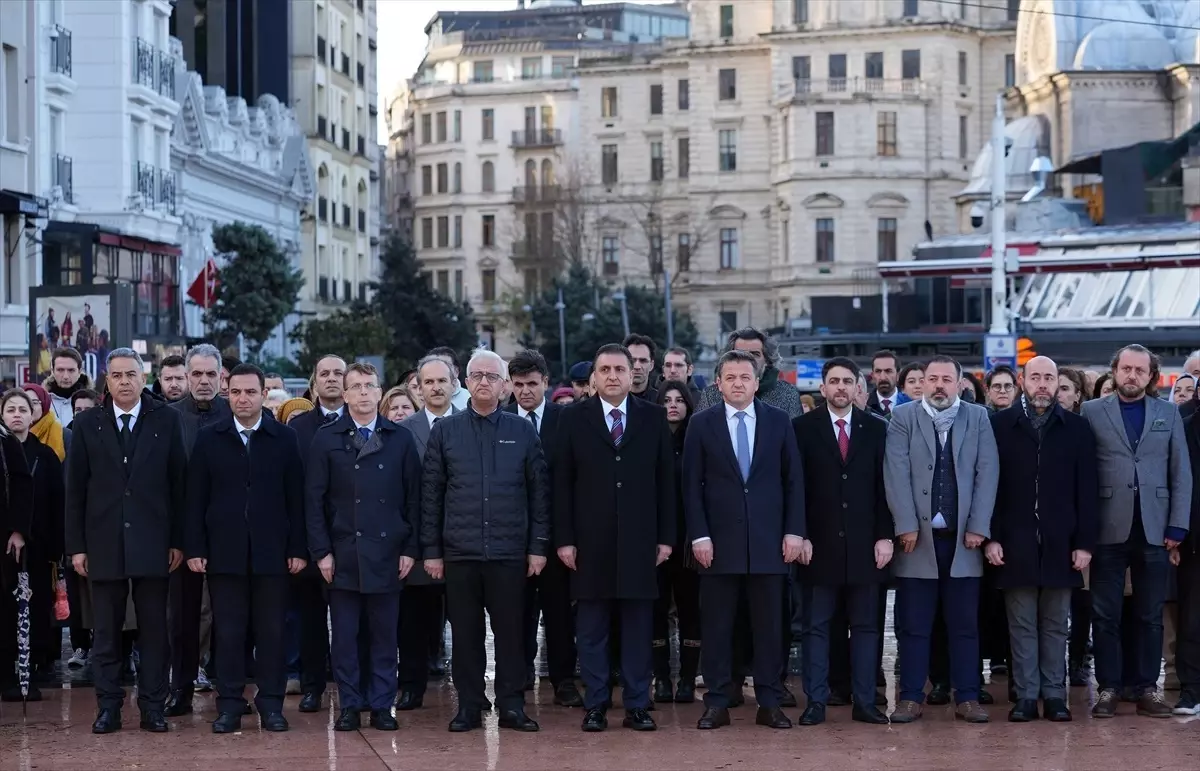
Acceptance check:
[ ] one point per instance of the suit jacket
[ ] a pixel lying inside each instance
(875, 407)
(745, 518)
(245, 507)
(1163, 472)
(548, 428)
(418, 424)
(307, 425)
(195, 418)
(908, 480)
(845, 500)
(615, 505)
(126, 516)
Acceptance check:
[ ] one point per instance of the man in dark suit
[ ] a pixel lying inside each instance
(884, 368)
(422, 603)
(850, 526)
(614, 521)
(201, 406)
(743, 495)
(547, 594)
(309, 599)
(362, 507)
(245, 532)
(125, 496)
(645, 356)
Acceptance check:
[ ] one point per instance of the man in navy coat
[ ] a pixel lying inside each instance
(743, 489)
(362, 510)
(244, 529)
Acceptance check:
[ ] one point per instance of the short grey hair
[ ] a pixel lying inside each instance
(203, 349)
(1193, 355)
(730, 357)
(770, 347)
(430, 360)
(484, 353)
(124, 353)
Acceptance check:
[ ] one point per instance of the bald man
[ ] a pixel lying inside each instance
(1044, 528)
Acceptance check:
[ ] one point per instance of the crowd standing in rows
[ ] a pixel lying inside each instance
(214, 520)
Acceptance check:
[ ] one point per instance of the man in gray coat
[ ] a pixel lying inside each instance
(1145, 497)
(940, 475)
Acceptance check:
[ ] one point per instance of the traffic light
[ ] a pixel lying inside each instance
(1025, 351)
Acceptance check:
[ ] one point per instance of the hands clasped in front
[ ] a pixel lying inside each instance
(795, 549)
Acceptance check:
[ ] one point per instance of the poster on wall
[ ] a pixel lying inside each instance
(92, 320)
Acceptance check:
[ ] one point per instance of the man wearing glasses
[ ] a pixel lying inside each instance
(362, 509)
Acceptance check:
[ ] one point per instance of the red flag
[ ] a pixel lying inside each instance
(203, 290)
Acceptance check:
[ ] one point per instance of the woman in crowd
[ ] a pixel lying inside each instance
(412, 386)
(1183, 390)
(1071, 389)
(807, 403)
(396, 404)
(677, 577)
(44, 548)
(911, 379)
(291, 408)
(1104, 386)
(564, 395)
(46, 427)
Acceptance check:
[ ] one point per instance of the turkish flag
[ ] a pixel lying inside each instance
(203, 290)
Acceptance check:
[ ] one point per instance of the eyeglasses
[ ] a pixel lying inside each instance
(1002, 387)
(362, 388)
(477, 377)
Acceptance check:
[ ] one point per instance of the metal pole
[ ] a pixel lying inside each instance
(884, 295)
(999, 242)
(561, 307)
(624, 311)
(667, 301)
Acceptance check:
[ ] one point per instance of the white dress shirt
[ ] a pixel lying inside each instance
(731, 422)
(834, 418)
(369, 426)
(431, 417)
(135, 412)
(540, 412)
(326, 413)
(252, 429)
(608, 408)
(939, 522)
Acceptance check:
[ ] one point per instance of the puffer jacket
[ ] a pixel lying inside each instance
(484, 500)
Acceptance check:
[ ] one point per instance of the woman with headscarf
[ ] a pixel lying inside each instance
(46, 427)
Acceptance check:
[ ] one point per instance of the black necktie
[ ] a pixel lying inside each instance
(126, 434)
(533, 420)
(330, 417)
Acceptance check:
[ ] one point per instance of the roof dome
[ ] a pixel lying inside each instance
(1116, 46)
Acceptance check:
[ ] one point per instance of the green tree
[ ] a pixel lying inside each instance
(592, 318)
(349, 333)
(417, 317)
(258, 286)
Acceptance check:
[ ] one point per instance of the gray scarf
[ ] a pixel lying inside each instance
(1039, 421)
(943, 420)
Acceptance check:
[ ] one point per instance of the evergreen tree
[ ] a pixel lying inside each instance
(349, 333)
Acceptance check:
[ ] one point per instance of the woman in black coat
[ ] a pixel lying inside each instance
(677, 577)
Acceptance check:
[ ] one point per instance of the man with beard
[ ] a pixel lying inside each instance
(1043, 533)
(644, 353)
(940, 475)
(884, 368)
(1145, 485)
(68, 378)
(173, 378)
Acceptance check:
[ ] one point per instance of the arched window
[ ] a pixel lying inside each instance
(489, 177)
(457, 188)
(531, 173)
(547, 173)
(323, 181)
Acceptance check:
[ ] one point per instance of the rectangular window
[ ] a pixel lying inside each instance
(487, 281)
(608, 102)
(10, 96)
(656, 100)
(825, 240)
(886, 239)
(489, 230)
(611, 255)
(483, 72)
(656, 161)
(910, 64)
(683, 252)
(443, 179)
(684, 97)
(656, 255)
(443, 283)
(1010, 70)
(608, 164)
(837, 72)
(726, 85)
(729, 321)
(727, 21)
(885, 134)
(962, 136)
(910, 8)
(727, 150)
(426, 180)
(458, 125)
(962, 68)
(684, 161)
(547, 117)
(824, 133)
(427, 232)
(802, 73)
(729, 248)
(873, 66)
(443, 232)
(458, 286)
(488, 124)
(458, 230)
(561, 66)
(1014, 9)
(531, 68)
(426, 129)
(441, 127)
(799, 11)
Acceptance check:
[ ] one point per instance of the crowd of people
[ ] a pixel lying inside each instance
(211, 531)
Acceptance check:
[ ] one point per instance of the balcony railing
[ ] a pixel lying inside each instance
(143, 66)
(323, 209)
(362, 221)
(166, 189)
(64, 177)
(346, 216)
(537, 138)
(320, 47)
(346, 140)
(893, 86)
(362, 74)
(156, 186)
(154, 69)
(60, 50)
(536, 194)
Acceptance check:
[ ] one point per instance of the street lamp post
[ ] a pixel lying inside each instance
(619, 296)
(999, 236)
(667, 301)
(532, 326)
(561, 307)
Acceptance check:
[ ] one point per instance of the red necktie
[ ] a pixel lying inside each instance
(843, 439)
(887, 406)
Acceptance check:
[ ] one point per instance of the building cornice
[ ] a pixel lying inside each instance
(895, 29)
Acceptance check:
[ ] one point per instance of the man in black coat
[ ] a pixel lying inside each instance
(1187, 656)
(202, 406)
(485, 526)
(850, 526)
(1044, 528)
(126, 474)
(245, 532)
(614, 521)
(362, 507)
(550, 592)
(743, 492)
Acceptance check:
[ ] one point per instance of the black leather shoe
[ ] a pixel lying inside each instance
(227, 723)
(567, 695)
(939, 695)
(180, 704)
(713, 718)
(274, 722)
(1056, 711)
(1024, 711)
(595, 720)
(664, 692)
(869, 714)
(310, 702)
(154, 722)
(685, 692)
(814, 714)
(409, 701)
(465, 720)
(382, 720)
(517, 720)
(107, 721)
(639, 720)
(772, 717)
(348, 720)
(788, 700)
(986, 698)
(838, 699)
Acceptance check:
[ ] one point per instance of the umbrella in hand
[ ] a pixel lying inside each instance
(23, 593)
